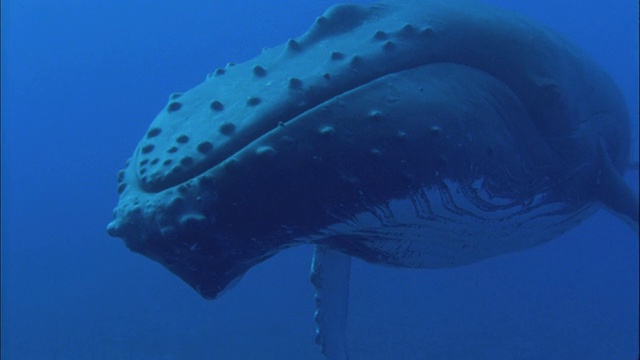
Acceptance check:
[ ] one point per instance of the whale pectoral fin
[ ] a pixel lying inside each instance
(330, 272)
(615, 194)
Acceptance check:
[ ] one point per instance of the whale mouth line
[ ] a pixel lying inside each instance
(276, 115)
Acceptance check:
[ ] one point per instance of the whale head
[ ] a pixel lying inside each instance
(413, 133)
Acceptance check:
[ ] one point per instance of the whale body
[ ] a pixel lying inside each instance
(424, 134)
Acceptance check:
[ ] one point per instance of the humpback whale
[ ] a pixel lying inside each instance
(422, 134)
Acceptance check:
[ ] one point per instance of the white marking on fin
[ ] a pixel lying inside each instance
(330, 273)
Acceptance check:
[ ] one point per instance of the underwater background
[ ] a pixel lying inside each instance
(81, 82)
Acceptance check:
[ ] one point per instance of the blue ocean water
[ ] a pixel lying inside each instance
(82, 80)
